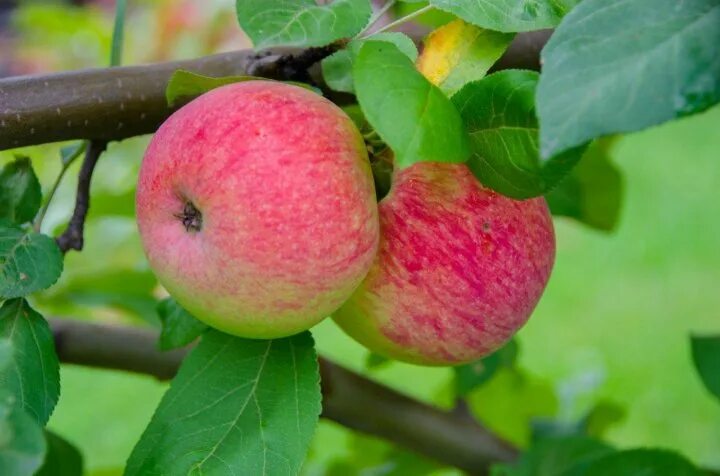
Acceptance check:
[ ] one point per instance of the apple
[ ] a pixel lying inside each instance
(458, 271)
(256, 208)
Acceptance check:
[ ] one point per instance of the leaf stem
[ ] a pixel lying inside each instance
(376, 16)
(65, 166)
(118, 33)
(402, 20)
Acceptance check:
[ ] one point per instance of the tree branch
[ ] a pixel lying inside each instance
(348, 398)
(73, 236)
(115, 103)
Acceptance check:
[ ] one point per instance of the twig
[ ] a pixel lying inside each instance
(72, 237)
(348, 398)
(376, 16)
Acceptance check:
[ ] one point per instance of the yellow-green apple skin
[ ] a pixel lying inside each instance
(459, 270)
(256, 208)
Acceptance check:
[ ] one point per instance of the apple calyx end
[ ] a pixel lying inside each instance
(190, 217)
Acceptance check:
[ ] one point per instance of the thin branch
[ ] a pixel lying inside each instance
(116, 103)
(348, 398)
(73, 236)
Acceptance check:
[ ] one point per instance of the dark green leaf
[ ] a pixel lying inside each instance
(411, 115)
(472, 375)
(508, 15)
(61, 458)
(29, 261)
(645, 462)
(22, 444)
(33, 376)
(6, 353)
(706, 355)
(554, 456)
(236, 405)
(623, 66)
(179, 327)
(499, 113)
(601, 417)
(592, 193)
(376, 361)
(337, 68)
(20, 194)
(301, 22)
(185, 85)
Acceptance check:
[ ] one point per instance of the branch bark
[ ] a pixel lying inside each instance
(115, 103)
(348, 398)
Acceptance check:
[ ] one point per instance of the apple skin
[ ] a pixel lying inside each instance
(289, 221)
(459, 270)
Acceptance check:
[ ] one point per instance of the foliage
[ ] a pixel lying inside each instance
(522, 134)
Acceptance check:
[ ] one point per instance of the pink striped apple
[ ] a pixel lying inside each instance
(458, 272)
(256, 208)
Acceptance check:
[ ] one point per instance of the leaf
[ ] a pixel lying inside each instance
(706, 356)
(459, 52)
(601, 77)
(184, 85)
(20, 194)
(508, 15)
(410, 114)
(472, 375)
(179, 327)
(116, 48)
(375, 361)
(337, 68)
(236, 405)
(61, 458)
(592, 193)
(554, 456)
(301, 22)
(29, 262)
(22, 444)
(69, 153)
(33, 375)
(645, 462)
(499, 113)
(510, 401)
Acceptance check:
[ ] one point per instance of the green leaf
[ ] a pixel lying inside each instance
(337, 68)
(20, 194)
(6, 352)
(29, 261)
(118, 35)
(645, 462)
(22, 444)
(410, 114)
(69, 153)
(337, 71)
(499, 113)
(472, 375)
(508, 15)
(185, 85)
(375, 361)
(61, 458)
(179, 327)
(706, 356)
(592, 193)
(601, 77)
(236, 405)
(555, 456)
(33, 376)
(301, 22)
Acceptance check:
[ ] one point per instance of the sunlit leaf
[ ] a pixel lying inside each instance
(187, 85)
(459, 52)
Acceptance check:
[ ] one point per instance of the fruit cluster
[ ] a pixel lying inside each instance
(257, 211)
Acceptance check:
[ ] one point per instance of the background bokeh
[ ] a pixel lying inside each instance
(612, 328)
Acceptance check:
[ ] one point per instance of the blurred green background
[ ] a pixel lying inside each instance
(612, 327)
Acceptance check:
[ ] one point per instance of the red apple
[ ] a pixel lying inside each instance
(256, 208)
(459, 269)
